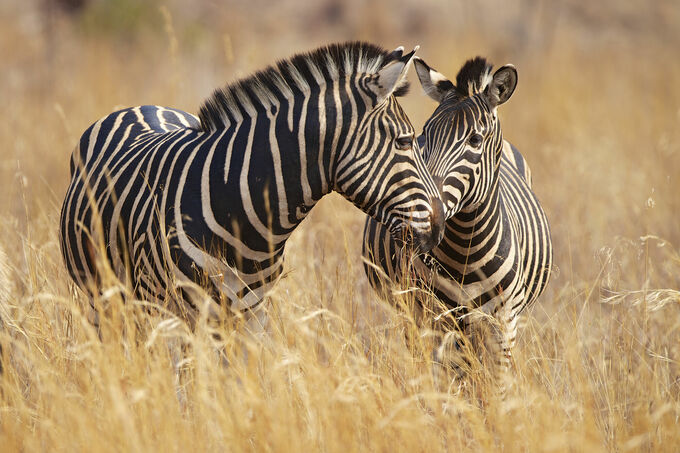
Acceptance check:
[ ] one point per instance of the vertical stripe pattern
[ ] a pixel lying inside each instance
(174, 198)
(496, 253)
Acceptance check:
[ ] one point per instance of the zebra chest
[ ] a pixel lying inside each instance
(478, 276)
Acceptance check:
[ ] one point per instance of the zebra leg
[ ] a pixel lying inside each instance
(257, 319)
(506, 334)
(93, 317)
(450, 361)
(456, 352)
(254, 328)
(101, 311)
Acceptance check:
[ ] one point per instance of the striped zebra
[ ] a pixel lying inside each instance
(175, 199)
(496, 253)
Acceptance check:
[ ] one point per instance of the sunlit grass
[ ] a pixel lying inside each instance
(597, 362)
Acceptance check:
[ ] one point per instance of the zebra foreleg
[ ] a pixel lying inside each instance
(505, 330)
(452, 360)
(253, 328)
(484, 344)
(257, 320)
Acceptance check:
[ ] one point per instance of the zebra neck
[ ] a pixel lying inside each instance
(282, 152)
(474, 238)
(468, 223)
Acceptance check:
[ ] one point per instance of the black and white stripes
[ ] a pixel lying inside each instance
(173, 198)
(496, 253)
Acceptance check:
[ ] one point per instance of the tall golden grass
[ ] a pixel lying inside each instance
(597, 115)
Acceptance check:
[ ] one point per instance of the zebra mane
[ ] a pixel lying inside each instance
(473, 77)
(296, 73)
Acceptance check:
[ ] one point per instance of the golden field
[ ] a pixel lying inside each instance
(596, 114)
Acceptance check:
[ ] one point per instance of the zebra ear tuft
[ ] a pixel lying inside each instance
(436, 85)
(395, 54)
(502, 86)
(392, 76)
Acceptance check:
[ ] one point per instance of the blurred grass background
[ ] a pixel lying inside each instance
(596, 114)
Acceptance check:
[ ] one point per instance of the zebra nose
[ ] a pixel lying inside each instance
(437, 220)
(426, 240)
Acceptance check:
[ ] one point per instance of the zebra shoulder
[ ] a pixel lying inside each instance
(512, 156)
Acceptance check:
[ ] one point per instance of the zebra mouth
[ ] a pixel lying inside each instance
(428, 240)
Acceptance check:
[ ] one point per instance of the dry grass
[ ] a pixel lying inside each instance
(596, 114)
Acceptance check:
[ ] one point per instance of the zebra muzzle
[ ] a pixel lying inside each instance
(428, 239)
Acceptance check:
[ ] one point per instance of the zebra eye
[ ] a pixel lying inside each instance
(475, 140)
(404, 142)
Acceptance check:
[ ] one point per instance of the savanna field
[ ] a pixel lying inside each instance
(597, 116)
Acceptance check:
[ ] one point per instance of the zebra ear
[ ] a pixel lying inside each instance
(502, 86)
(395, 54)
(392, 76)
(435, 84)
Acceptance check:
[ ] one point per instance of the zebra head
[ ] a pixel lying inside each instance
(382, 171)
(463, 141)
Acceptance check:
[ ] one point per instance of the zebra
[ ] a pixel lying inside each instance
(496, 253)
(167, 199)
